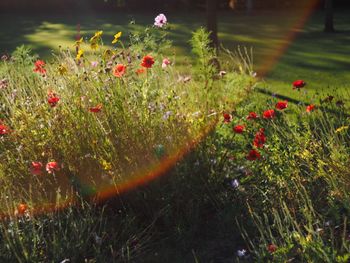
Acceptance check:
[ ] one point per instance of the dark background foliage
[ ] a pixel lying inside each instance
(138, 5)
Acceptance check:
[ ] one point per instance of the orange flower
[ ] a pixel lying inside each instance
(147, 61)
(96, 109)
(39, 67)
(140, 71)
(119, 70)
(21, 209)
(310, 108)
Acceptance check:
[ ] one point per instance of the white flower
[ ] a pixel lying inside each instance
(235, 183)
(241, 253)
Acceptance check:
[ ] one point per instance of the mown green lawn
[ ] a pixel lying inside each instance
(283, 47)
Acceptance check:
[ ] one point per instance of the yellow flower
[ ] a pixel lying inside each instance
(308, 238)
(96, 37)
(62, 69)
(116, 37)
(340, 129)
(78, 42)
(79, 54)
(94, 45)
(106, 165)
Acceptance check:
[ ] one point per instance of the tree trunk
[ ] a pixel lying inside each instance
(328, 23)
(249, 6)
(212, 22)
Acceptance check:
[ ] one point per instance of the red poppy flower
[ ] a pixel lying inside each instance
(252, 116)
(259, 139)
(96, 109)
(310, 108)
(36, 168)
(3, 129)
(272, 248)
(281, 105)
(21, 209)
(147, 61)
(39, 67)
(53, 99)
(51, 167)
(119, 70)
(298, 84)
(227, 117)
(140, 71)
(269, 114)
(238, 129)
(253, 155)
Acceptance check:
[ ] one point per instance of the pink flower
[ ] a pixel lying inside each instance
(94, 64)
(36, 168)
(166, 62)
(51, 167)
(160, 20)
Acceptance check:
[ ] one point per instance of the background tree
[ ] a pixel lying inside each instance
(212, 22)
(329, 23)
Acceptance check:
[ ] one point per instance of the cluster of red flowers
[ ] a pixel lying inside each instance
(37, 167)
(39, 67)
(260, 138)
(147, 62)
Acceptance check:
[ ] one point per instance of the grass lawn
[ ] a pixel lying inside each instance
(282, 46)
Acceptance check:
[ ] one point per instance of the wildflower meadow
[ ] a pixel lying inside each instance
(111, 151)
